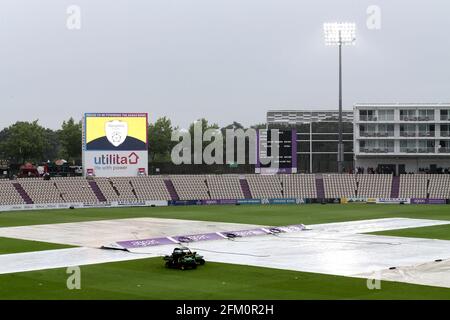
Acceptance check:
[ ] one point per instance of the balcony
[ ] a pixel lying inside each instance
(376, 150)
(408, 118)
(377, 134)
(368, 134)
(418, 150)
(408, 150)
(385, 134)
(426, 134)
(426, 150)
(445, 133)
(444, 150)
(425, 118)
(367, 118)
(407, 134)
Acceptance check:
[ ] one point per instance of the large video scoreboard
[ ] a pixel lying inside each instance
(286, 160)
(115, 144)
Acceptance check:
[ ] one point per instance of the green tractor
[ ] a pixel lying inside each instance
(183, 258)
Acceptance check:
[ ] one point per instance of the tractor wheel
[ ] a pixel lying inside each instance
(202, 262)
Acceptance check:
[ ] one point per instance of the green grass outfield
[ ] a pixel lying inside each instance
(148, 279)
(275, 215)
(9, 245)
(433, 232)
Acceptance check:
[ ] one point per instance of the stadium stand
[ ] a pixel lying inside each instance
(374, 185)
(413, 186)
(107, 188)
(41, 191)
(224, 187)
(190, 187)
(74, 189)
(439, 186)
(264, 186)
(150, 188)
(339, 185)
(9, 194)
(124, 188)
(299, 185)
(203, 187)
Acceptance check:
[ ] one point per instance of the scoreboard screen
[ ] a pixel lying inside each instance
(286, 161)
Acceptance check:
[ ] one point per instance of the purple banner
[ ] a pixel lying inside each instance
(294, 149)
(198, 237)
(204, 237)
(246, 233)
(428, 201)
(217, 201)
(145, 242)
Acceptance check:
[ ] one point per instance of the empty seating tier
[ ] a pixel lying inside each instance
(374, 185)
(439, 187)
(299, 185)
(339, 185)
(9, 194)
(413, 186)
(264, 186)
(150, 188)
(224, 187)
(191, 187)
(204, 187)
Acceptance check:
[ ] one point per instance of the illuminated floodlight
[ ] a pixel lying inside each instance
(339, 33)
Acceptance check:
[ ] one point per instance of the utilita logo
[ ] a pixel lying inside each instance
(111, 159)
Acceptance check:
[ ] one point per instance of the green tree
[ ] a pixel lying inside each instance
(159, 138)
(70, 138)
(204, 126)
(25, 141)
(53, 145)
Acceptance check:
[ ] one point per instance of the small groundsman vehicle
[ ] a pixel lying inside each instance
(183, 258)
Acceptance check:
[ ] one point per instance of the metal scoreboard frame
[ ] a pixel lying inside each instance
(115, 144)
(286, 161)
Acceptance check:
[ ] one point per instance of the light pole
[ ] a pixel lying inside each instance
(339, 34)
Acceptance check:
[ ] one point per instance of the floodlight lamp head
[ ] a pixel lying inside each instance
(339, 33)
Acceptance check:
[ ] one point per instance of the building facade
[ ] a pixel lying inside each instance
(316, 137)
(402, 138)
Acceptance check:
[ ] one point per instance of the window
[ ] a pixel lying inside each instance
(367, 145)
(386, 130)
(385, 115)
(408, 115)
(386, 145)
(426, 115)
(444, 146)
(445, 115)
(445, 130)
(408, 146)
(367, 115)
(426, 146)
(367, 130)
(426, 130)
(408, 130)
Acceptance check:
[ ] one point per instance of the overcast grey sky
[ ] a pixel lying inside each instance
(223, 60)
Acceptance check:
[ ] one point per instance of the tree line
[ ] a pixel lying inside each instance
(30, 142)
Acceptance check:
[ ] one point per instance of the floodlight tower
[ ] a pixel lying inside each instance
(340, 34)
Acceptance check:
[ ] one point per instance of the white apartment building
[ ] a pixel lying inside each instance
(402, 137)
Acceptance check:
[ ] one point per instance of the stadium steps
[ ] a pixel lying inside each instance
(320, 189)
(245, 188)
(170, 187)
(23, 193)
(395, 188)
(98, 193)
